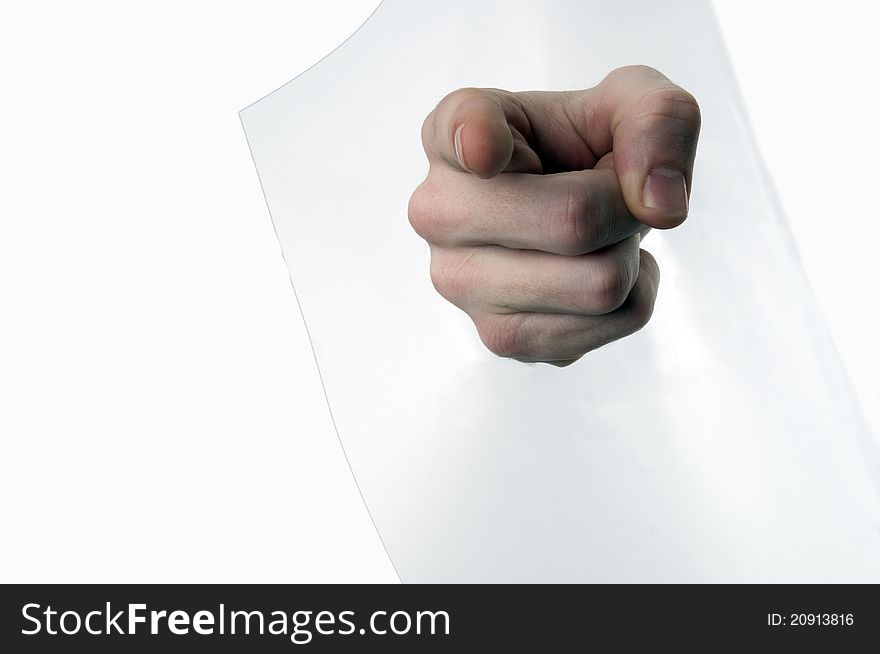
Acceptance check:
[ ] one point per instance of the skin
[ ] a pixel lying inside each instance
(536, 202)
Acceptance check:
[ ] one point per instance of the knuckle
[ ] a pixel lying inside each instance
(575, 236)
(670, 102)
(452, 275)
(423, 211)
(673, 114)
(641, 310)
(427, 132)
(504, 335)
(608, 287)
(644, 295)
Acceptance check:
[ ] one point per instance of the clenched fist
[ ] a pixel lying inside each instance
(536, 202)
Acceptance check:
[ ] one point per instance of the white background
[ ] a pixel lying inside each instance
(161, 417)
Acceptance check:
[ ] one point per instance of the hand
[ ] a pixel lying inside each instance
(536, 202)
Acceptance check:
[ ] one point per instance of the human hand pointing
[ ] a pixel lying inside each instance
(535, 204)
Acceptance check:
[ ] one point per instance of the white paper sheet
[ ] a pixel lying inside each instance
(720, 443)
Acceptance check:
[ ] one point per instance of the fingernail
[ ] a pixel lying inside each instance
(666, 191)
(458, 153)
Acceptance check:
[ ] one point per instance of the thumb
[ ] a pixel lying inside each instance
(654, 127)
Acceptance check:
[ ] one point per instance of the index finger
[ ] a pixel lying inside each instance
(480, 131)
